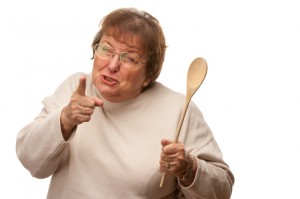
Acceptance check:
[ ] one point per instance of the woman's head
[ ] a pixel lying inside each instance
(130, 26)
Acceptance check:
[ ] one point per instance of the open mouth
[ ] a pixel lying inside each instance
(109, 80)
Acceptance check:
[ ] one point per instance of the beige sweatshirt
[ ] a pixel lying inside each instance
(116, 154)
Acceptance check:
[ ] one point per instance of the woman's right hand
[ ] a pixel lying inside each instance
(79, 110)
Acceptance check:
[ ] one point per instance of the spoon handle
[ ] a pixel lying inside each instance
(187, 101)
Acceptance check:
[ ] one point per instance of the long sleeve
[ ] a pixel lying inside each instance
(40, 145)
(213, 180)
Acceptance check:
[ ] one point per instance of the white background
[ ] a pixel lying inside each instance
(250, 97)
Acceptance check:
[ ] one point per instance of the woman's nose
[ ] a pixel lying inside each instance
(114, 64)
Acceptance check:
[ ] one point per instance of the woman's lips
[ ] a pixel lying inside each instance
(108, 80)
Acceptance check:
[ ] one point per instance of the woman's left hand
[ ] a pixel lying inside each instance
(173, 159)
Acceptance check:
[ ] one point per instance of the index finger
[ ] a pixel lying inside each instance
(81, 87)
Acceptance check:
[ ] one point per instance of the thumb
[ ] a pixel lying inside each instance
(97, 101)
(165, 142)
(81, 87)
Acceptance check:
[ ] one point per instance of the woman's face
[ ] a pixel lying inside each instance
(114, 81)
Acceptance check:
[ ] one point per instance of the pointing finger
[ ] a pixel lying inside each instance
(81, 87)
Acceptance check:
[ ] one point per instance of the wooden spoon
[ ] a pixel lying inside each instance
(196, 75)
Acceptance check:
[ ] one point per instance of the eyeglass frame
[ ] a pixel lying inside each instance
(120, 57)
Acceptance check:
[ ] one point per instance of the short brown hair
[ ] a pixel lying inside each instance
(127, 24)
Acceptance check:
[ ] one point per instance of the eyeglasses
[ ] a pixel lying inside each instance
(128, 59)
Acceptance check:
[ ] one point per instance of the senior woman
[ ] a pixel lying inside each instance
(106, 134)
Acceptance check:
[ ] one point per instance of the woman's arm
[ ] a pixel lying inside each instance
(213, 178)
(40, 145)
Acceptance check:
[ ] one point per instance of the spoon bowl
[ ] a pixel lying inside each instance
(196, 74)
